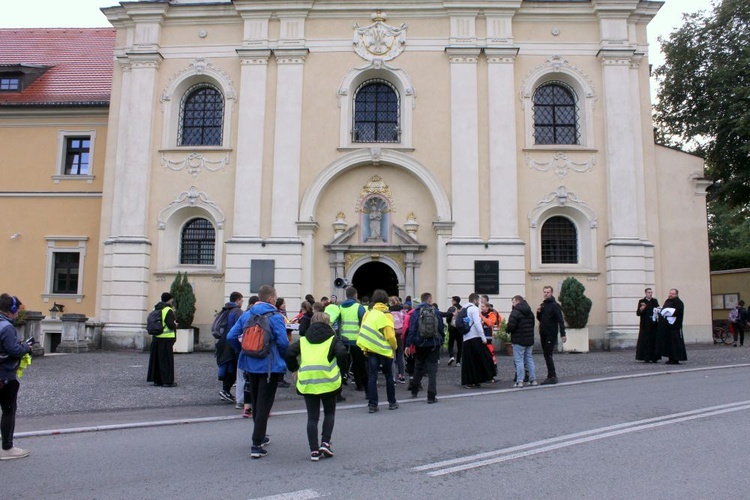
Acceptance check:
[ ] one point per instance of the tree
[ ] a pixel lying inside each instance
(574, 303)
(184, 300)
(703, 99)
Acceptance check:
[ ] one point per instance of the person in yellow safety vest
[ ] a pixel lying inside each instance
(333, 311)
(350, 319)
(377, 339)
(322, 353)
(161, 359)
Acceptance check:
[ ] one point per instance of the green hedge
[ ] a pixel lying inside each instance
(738, 258)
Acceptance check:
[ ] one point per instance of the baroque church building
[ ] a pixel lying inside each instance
(449, 147)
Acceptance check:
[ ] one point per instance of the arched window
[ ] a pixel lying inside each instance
(376, 112)
(555, 114)
(197, 242)
(559, 241)
(201, 116)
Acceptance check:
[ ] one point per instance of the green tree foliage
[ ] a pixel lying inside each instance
(704, 95)
(574, 303)
(184, 300)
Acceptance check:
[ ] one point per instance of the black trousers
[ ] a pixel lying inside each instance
(739, 330)
(262, 395)
(454, 336)
(426, 361)
(548, 348)
(358, 367)
(8, 399)
(312, 402)
(161, 362)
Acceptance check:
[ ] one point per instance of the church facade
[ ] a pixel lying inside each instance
(415, 146)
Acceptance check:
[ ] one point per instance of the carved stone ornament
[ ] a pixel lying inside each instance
(376, 185)
(560, 164)
(191, 198)
(340, 225)
(379, 41)
(194, 163)
(411, 225)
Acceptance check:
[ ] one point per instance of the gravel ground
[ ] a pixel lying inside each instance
(61, 384)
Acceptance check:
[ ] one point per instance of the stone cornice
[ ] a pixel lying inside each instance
(496, 55)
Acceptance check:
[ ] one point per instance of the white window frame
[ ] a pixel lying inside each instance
(68, 244)
(407, 101)
(62, 144)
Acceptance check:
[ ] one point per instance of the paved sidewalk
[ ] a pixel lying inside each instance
(114, 381)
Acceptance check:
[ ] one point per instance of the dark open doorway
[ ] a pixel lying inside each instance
(372, 276)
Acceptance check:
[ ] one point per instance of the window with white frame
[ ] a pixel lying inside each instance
(201, 116)
(376, 112)
(65, 264)
(559, 241)
(75, 155)
(555, 114)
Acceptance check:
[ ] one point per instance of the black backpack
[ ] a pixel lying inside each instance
(154, 325)
(427, 324)
(462, 322)
(219, 326)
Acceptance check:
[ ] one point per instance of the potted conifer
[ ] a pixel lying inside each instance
(184, 311)
(575, 308)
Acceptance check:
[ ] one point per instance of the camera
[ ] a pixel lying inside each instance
(30, 341)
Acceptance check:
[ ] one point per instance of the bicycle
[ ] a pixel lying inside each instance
(722, 334)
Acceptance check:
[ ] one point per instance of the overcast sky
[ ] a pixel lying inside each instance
(86, 14)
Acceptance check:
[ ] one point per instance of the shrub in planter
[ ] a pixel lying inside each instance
(184, 300)
(574, 304)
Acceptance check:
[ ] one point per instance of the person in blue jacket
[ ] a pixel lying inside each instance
(427, 352)
(263, 374)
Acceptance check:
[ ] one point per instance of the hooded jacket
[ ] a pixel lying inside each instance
(279, 344)
(225, 353)
(11, 350)
(318, 333)
(550, 319)
(521, 325)
(413, 337)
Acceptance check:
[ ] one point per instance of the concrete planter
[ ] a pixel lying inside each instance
(578, 340)
(185, 341)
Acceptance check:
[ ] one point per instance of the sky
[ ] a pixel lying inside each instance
(86, 14)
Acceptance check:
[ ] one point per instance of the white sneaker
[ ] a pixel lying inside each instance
(451, 361)
(518, 384)
(533, 383)
(13, 453)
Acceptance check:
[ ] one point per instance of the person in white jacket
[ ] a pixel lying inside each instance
(476, 360)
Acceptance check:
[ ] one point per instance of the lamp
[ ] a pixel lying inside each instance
(56, 309)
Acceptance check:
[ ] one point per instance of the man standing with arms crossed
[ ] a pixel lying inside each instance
(550, 320)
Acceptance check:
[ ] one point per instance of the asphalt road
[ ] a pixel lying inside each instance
(663, 436)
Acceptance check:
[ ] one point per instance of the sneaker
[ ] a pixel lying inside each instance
(13, 453)
(258, 452)
(432, 401)
(550, 381)
(372, 409)
(401, 379)
(451, 361)
(518, 384)
(325, 450)
(247, 413)
(533, 383)
(314, 456)
(266, 440)
(226, 396)
(393, 406)
(239, 406)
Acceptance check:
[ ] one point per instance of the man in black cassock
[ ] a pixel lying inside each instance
(669, 340)
(646, 348)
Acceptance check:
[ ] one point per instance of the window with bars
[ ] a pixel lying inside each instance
(201, 116)
(65, 272)
(197, 242)
(559, 241)
(77, 151)
(555, 114)
(376, 112)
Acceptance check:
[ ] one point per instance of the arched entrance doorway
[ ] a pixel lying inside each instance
(374, 275)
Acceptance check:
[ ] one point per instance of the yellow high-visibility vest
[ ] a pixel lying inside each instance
(370, 337)
(316, 374)
(350, 322)
(167, 333)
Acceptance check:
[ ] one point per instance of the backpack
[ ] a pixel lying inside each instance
(462, 321)
(427, 326)
(398, 321)
(154, 325)
(257, 335)
(734, 315)
(219, 326)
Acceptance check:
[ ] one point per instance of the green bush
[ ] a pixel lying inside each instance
(736, 258)
(574, 304)
(184, 300)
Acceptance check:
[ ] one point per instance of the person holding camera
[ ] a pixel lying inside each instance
(11, 352)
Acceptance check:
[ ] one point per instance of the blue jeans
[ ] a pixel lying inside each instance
(521, 355)
(374, 362)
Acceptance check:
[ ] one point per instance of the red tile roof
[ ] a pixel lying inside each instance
(80, 64)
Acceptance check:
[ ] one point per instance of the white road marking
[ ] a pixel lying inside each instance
(506, 454)
(295, 495)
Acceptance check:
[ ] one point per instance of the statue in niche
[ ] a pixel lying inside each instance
(376, 209)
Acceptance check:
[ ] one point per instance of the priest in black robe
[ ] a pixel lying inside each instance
(669, 340)
(646, 348)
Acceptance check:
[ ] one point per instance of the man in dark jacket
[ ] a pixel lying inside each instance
(521, 329)
(427, 346)
(551, 321)
(161, 358)
(11, 352)
(226, 356)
